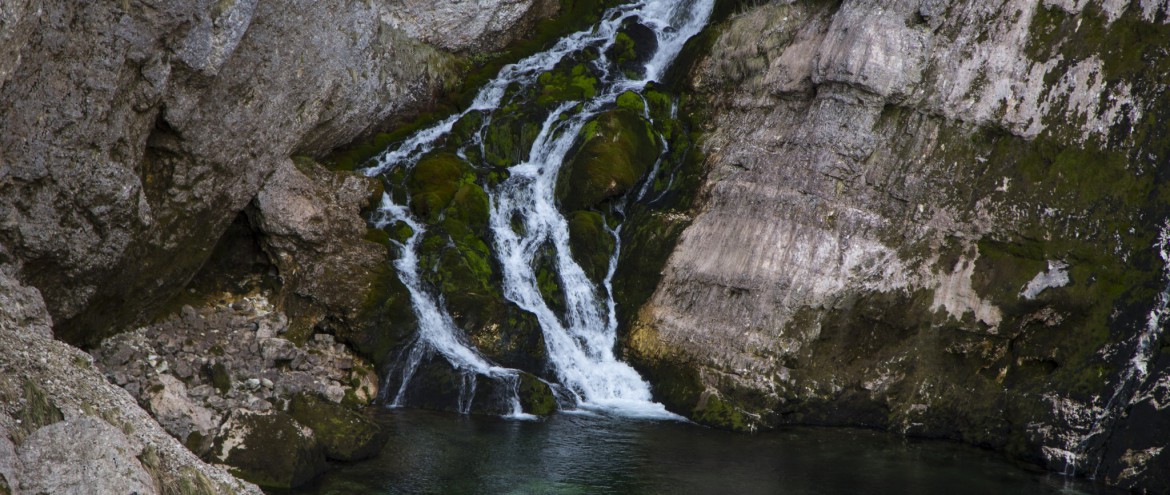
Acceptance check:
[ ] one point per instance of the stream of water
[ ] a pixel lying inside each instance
(524, 220)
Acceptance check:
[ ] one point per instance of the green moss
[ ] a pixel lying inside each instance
(433, 183)
(346, 435)
(549, 283)
(559, 85)
(274, 453)
(402, 232)
(190, 481)
(622, 51)
(608, 164)
(647, 241)
(38, 411)
(389, 315)
(1130, 48)
(630, 101)
(535, 396)
(219, 377)
(378, 235)
(715, 412)
(591, 244)
(509, 137)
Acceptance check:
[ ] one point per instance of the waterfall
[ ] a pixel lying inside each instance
(579, 342)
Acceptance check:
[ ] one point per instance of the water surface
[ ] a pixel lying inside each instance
(585, 454)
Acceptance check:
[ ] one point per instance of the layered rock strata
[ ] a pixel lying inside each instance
(942, 218)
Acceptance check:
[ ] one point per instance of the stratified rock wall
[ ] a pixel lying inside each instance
(937, 217)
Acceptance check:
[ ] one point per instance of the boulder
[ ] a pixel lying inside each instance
(270, 449)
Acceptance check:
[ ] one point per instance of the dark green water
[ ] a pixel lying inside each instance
(573, 454)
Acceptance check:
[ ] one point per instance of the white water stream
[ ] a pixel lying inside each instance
(580, 342)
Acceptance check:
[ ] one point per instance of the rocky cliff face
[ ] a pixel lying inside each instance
(943, 218)
(139, 139)
(136, 131)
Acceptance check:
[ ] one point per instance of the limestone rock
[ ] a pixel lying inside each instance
(186, 420)
(237, 370)
(24, 310)
(346, 435)
(86, 455)
(52, 400)
(482, 26)
(885, 181)
(135, 134)
(311, 228)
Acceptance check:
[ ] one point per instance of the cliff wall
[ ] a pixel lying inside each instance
(941, 218)
(137, 139)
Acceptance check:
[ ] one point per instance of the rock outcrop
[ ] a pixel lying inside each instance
(135, 132)
(198, 368)
(65, 429)
(936, 217)
(145, 144)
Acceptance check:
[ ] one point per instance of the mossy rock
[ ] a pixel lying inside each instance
(633, 46)
(536, 397)
(271, 450)
(345, 434)
(548, 280)
(591, 243)
(714, 411)
(647, 241)
(388, 319)
(434, 181)
(508, 139)
(616, 150)
(557, 86)
(37, 412)
(219, 376)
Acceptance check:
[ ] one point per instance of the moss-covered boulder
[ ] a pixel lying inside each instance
(536, 397)
(509, 137)
(575, 84)
(632, 48)
(591, 243)
(391, 318)
(345, 434)
(616, 150)
(434, 182)
(269, 449)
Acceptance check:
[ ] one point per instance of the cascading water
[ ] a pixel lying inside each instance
(524, 222)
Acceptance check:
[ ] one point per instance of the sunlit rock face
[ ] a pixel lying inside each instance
(943, 218)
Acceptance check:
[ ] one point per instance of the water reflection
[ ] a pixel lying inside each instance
(586, 454)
